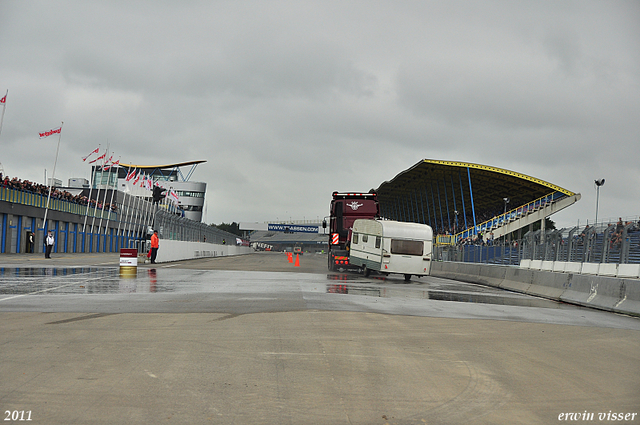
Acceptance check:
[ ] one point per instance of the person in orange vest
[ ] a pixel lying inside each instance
(155, 244)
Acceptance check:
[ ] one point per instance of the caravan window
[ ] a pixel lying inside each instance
(378, 240)
(365, 238)
(402, 247)
(355, 238)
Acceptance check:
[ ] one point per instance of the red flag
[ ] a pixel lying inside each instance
(113, 164)
(87, 157)
(50, 132)
(130, 175)
(98, 158)
(4, 99)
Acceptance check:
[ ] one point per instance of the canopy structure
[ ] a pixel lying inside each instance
(454, 196)
(163, 171)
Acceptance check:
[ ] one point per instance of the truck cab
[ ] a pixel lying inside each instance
(347, 207)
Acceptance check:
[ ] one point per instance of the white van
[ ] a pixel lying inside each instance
(391, 247)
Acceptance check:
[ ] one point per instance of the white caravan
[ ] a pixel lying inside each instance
(391, 247)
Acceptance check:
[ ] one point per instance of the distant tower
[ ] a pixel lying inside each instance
(170, 176)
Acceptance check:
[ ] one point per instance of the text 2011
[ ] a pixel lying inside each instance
(17, 415)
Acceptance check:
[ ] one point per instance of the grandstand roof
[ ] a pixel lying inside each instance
(161, 167)
(446, 184)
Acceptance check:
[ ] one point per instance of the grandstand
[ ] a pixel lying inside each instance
(463, 200)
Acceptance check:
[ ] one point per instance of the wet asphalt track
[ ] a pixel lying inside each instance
(252, 339)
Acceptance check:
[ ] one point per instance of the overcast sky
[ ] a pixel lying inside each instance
(288, 101)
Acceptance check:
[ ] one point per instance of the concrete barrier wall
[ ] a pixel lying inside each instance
(600, 269)
(621, 295)
(179, 250)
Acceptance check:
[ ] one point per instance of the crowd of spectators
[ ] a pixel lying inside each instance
(32, 187)
(616, 238)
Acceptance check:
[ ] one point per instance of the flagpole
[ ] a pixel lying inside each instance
(113, 191)
(4, 106)
(95, 210)
(134, 216)
(104, 198)
(53, 175)
(144, 225)
(86, 213)
(129, 217)
(124, 201)
(130, 211)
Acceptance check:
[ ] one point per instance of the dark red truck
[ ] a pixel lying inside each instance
(345, 209)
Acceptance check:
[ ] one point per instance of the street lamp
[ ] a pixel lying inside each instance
(598, 184)
(455, 230)
(506, 201)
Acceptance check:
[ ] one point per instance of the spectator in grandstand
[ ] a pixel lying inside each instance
(619, 226)
(616, 238)
(43, 190)
(490, 239)
(584, 233)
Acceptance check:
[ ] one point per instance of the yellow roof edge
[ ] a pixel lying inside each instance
(501, 171)
(178, 164)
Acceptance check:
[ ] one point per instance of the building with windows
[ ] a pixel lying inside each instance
(173, 177)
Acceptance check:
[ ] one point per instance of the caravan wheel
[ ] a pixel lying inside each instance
(366, 271)
(407, 277)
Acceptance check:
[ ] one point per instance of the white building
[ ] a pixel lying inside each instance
(170, 176)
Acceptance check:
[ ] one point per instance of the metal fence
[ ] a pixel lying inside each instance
(604, 243)
(174, 227)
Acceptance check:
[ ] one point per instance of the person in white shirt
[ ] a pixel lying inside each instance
(49, 242)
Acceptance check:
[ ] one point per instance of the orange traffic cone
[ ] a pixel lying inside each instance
(297, 264)
(290, 256)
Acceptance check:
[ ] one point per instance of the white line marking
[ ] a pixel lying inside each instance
(49, 289)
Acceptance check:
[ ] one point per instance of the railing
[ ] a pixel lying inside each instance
(38, 200)
(509, 216)
(445, 240)
(174, 227)
(132, 225)
(610, 243)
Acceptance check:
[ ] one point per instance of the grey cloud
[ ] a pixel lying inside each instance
(288, 101)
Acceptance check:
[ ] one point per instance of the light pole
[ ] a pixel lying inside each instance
(506, 201)
(598, 184)
(455, 230)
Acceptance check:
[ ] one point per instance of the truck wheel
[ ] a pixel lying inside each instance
(365, 271)
(407, 277)
(331, 264)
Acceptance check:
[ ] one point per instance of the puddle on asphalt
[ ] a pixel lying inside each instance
(95, 280)
(21, 272)
(88, 280)
(465, 296)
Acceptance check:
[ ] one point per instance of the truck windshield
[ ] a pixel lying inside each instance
(402, 247)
